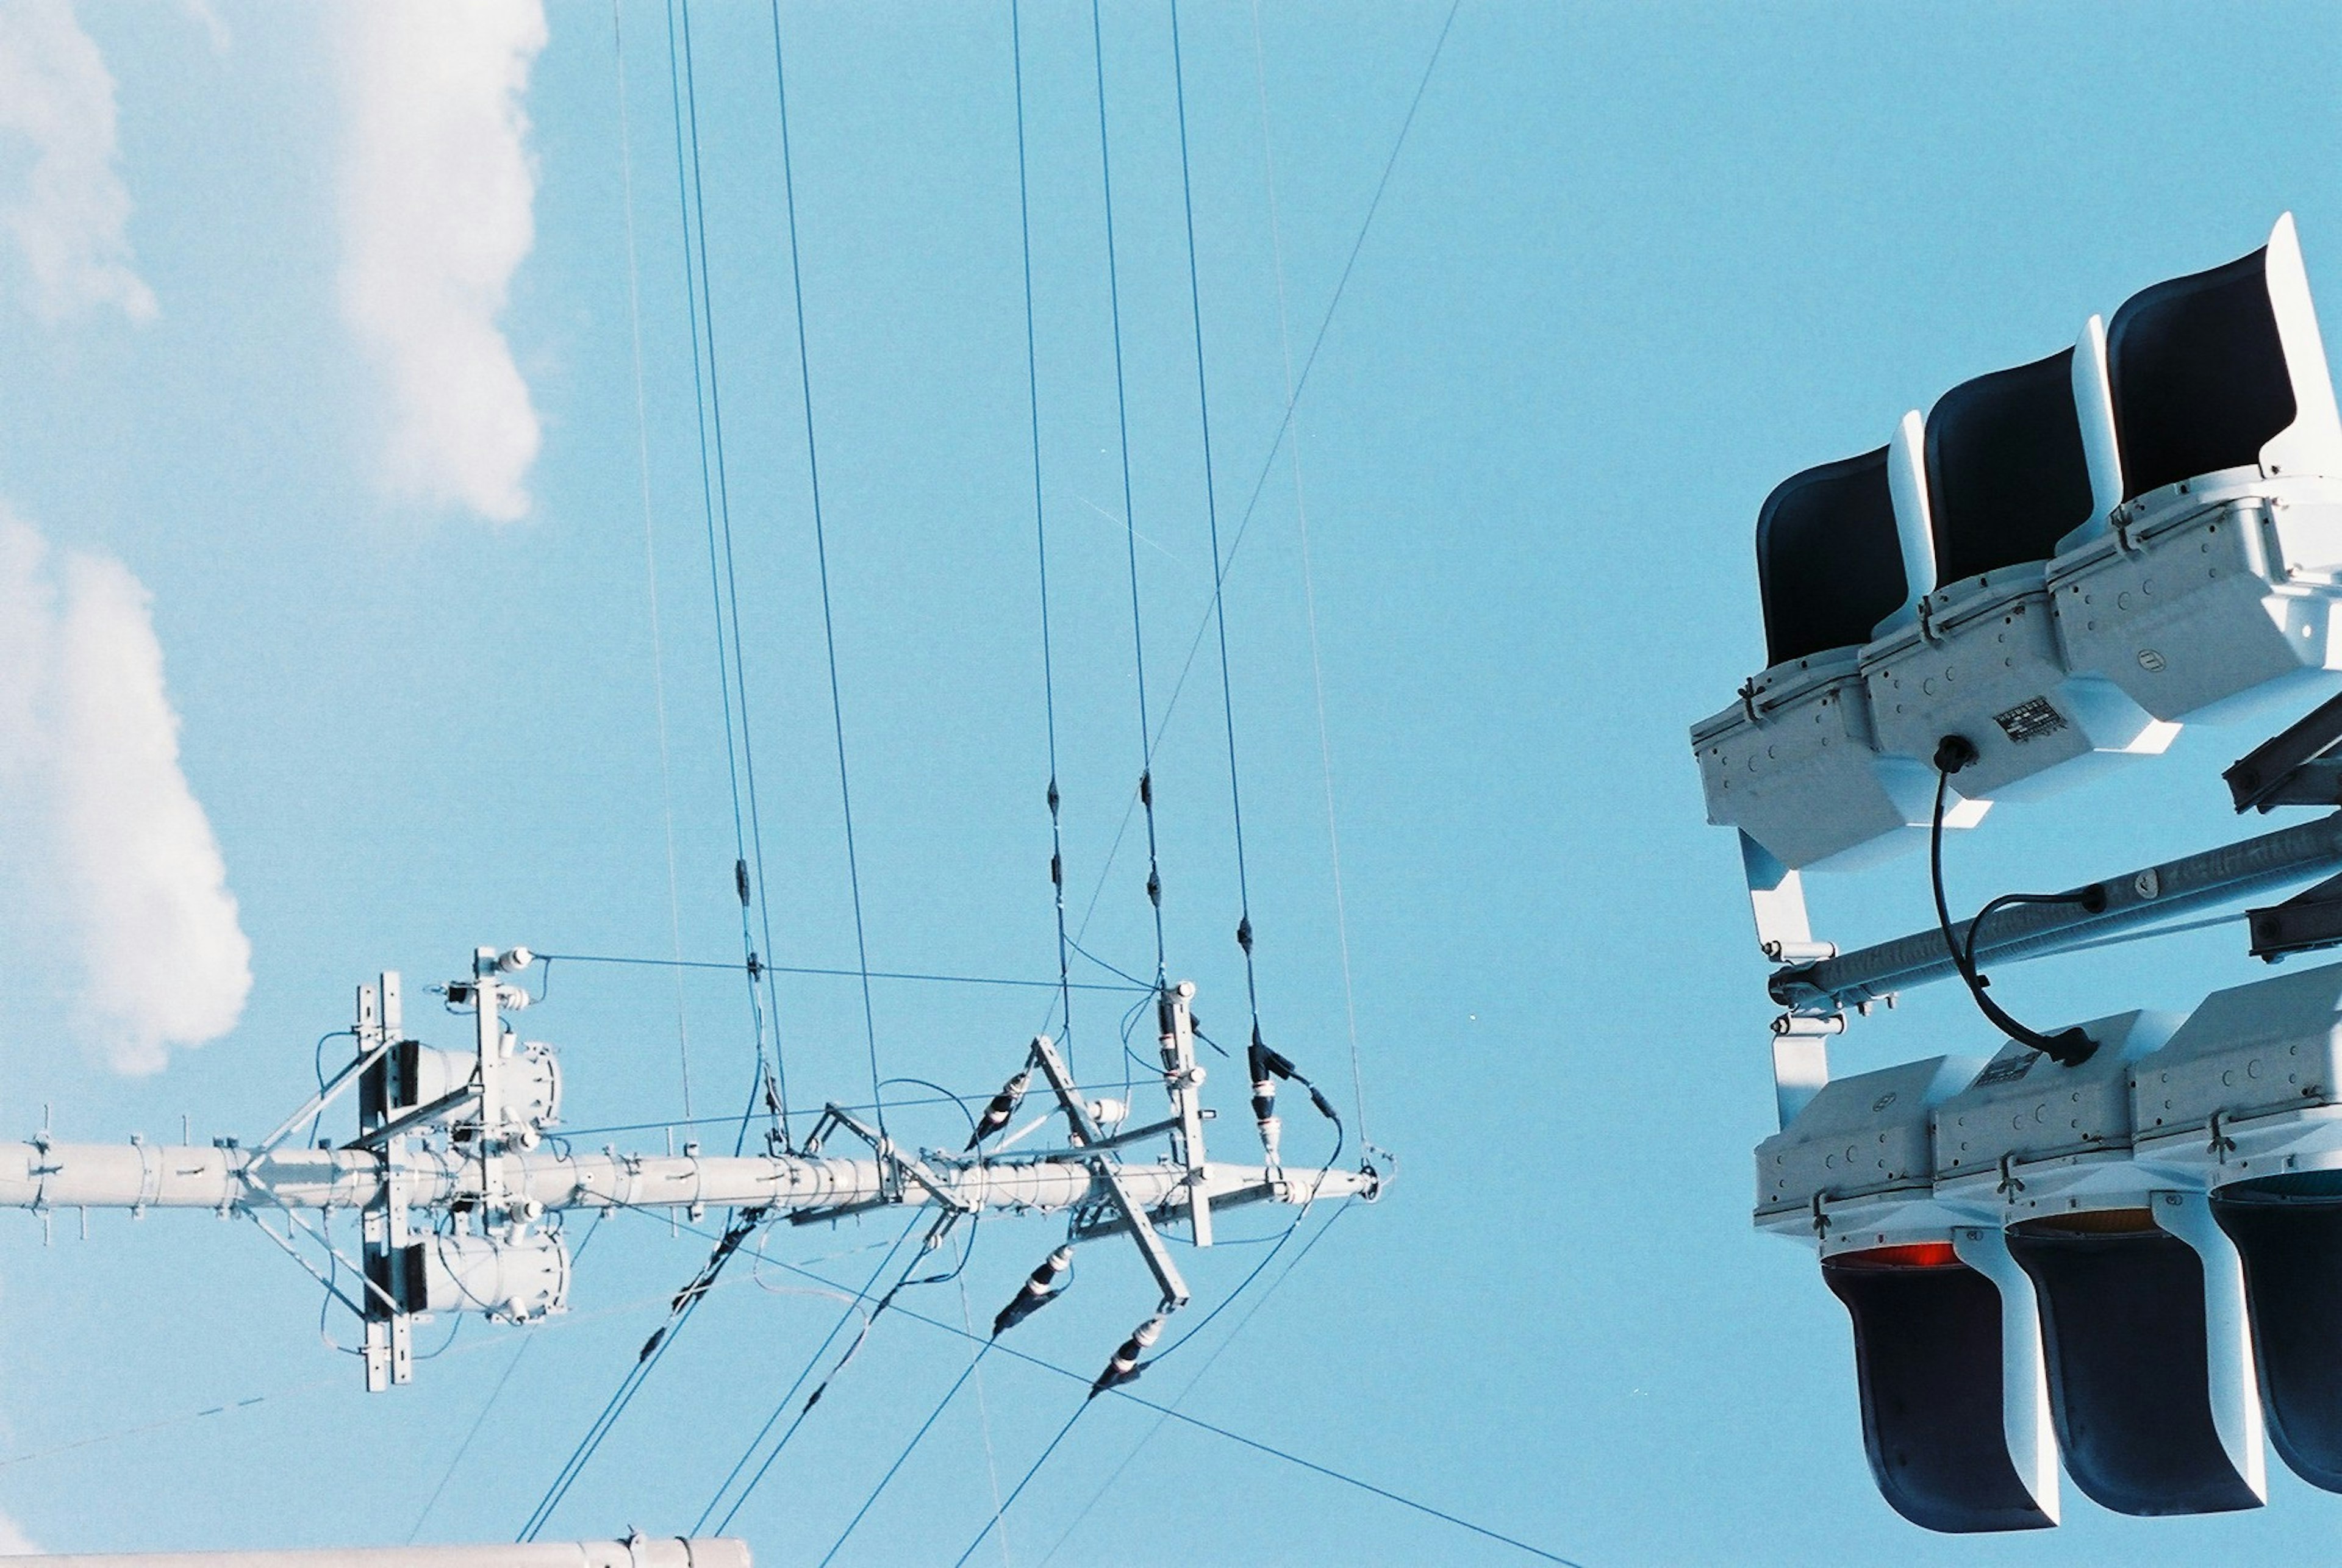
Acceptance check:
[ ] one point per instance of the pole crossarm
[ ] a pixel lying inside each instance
(143, 1176)
(2122, 902)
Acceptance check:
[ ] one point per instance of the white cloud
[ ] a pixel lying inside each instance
(64, 206)
(106, 843)
(14, 1542)
(436, 205)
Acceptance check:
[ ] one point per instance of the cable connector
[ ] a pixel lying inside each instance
(1128, 1360)
(1040, 1288)
(1002, 1107)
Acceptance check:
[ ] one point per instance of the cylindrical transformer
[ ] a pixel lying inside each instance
(518, 1280)
(532, 1087)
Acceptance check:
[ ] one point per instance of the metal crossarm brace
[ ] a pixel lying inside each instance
(1077, 1112)
(389, 1344)
(2296, 767)
(1185, 1079)
(890, 1158)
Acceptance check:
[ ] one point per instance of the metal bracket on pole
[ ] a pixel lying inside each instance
(1776, 898)
(390, 1262)
(1085, 1132)
(2301, 764)
(890, 1160)
(1182, 1076)
(2309, 919)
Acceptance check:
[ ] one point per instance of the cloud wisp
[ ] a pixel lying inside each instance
(62, 200)
(106, 847)
(438, 196)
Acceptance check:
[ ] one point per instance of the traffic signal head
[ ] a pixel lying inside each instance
(1795, 762)
(2008, 474)
(2064, 560)
(1954, 1419)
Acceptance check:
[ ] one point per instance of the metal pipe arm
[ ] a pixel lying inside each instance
(143, 1176)
(2123, 903)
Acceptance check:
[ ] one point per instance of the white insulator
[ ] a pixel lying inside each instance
(1109, 1114)
(518, 1280)
(512, 960)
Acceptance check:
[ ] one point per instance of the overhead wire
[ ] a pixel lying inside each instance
(1129, 512)
(455, 1460)
(821, 556)
(1181, 1397)
(903, 1457)
(715, 496)
(1255, 1445)
(869, 1320)
(1299, 384)
(680, 1309)
(1018, 1490)
(805, 969)
(1041, 544)
(650, 543)
(1308, 578)
(1212, 514)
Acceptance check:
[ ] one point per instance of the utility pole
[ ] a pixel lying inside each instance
(460, 1197)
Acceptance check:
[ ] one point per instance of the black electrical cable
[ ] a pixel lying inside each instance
(1212, 514)
(853, 1309)
(904, 1457)
(1041, 541)
(679, 1311)
(2069, 1048)
(1200, 1424)
(1009, 1502)
(1129, 515)
(715, 494)
(821, 559)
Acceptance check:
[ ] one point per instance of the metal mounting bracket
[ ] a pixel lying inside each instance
(1151, 1245)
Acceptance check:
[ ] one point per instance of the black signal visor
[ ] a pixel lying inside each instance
(2123, 1326)
(1926, 1356)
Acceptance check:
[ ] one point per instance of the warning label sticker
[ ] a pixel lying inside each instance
(2029, 719)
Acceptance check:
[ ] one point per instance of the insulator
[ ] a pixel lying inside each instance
(740, 881)
(1126, 1363)
(1003, 1105)
(1272, 1135)
(1040, 1288)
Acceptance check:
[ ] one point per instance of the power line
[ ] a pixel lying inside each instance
(715, 494)
(1129, 515)
(1309, 579)
(1285, 422)
(1018, 1490)
(1212, 511)
(813, 1399)
(1041, 541)
(821, 557)
(900, 1459)
(1254, 1444)
(650, 544)
(1181, 1397)
(849, 973)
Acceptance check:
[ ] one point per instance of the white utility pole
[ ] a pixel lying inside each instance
(459, 1193)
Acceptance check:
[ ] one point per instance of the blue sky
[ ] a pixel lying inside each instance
(1633, 265)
